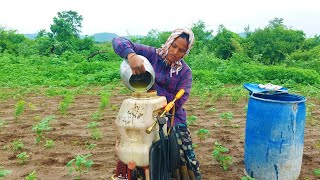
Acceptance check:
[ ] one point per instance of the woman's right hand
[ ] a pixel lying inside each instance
(136, 64)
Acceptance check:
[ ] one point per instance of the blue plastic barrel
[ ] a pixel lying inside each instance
(274, 135)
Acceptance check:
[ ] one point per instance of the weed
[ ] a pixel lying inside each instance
(80, 164)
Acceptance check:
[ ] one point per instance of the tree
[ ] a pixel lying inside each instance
(274, 42)
(67, 25)
(226, 43)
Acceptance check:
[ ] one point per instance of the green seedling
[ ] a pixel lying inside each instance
(20, 107)
(23, 157)
(316, 172)
(41, 127)
(218, 152)
(96, 134)
(4, 172)
(226, 117)
(90, 146)
(191, 119)
(65, 103)
(2, 123)
(80, 164)
(17, 145)
(104, 101)
(247, 178)
(96, 116)
(203, 134)
(32, 176)
(49, 143)
(212, 110)
(92, 125)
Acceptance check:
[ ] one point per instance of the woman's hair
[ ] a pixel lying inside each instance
(185, 36)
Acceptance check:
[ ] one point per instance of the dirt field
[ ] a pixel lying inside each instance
(70, 136)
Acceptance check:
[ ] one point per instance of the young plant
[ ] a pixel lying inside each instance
(104, 100)
(49, 143)
(4, 172)
(225, 161)
(96, 116)
(191, 119)
(20, 106)
(80, 164)
(32, 176)
(90, 146)
(17, 145)
(42, 126)
(2, 123)
(23, 157)
(92, 125)
(247, 178)
(226, 117)
(65, 103)
(96, 134)
(203, 134)
(316, 172)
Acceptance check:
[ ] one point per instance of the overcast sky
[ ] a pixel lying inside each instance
(138, 17)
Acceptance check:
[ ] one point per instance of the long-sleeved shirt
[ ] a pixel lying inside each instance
(164, 84)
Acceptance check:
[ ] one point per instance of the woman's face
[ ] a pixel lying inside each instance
(177, 50)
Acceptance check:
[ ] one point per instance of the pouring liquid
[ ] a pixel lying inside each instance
(140, 82)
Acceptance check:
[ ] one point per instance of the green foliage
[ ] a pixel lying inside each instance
(226, 43)
(247, 178)
(32, 176)
(273, 42)
(4, 172)
(20, 106)
(203, 134)
(226, 117)
(316, 172)
(80, 164)
(41, 127)
(17, 144)
(191, 119)
(218, 152)
(23, 157)
(49, 143)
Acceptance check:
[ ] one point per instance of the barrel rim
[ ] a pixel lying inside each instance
(303, 99)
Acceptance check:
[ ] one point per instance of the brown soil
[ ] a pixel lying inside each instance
(70, 136)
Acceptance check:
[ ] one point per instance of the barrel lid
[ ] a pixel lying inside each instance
(265, 88)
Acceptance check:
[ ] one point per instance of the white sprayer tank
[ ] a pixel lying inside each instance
(136, 114)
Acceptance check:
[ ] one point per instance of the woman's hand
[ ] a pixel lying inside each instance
(136, 64)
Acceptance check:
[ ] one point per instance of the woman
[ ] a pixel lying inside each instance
(171, 75)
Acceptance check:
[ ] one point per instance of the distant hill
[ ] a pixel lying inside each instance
(102, 37)
(31, 36)
(98, 37)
